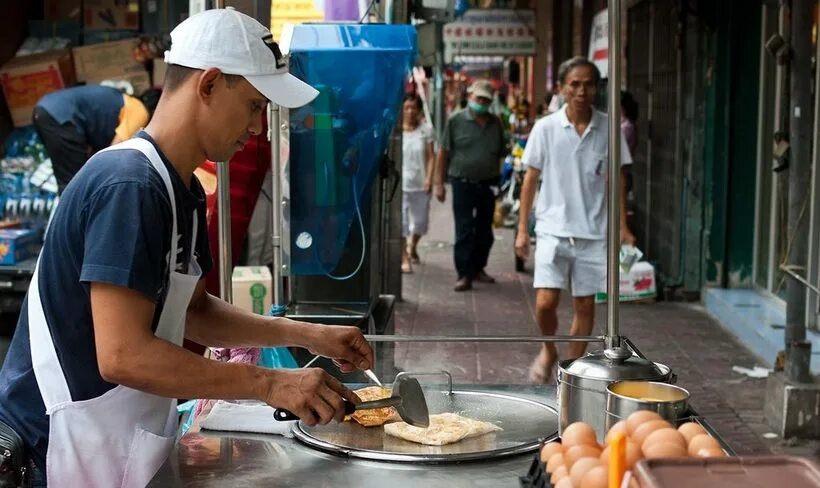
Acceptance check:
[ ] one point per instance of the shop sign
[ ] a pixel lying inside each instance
(599, 42)
(491, 32)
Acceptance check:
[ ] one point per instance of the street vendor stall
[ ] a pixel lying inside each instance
(238, 443)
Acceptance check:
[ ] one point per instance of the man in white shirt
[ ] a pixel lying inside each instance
(568, 151)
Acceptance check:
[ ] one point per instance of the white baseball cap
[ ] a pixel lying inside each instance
(237, 44)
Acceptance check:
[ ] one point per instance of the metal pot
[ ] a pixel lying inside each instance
(626, 397)
(582, 384)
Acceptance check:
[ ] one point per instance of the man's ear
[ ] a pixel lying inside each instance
(206, 83)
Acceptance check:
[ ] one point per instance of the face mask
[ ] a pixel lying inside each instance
(478, 108)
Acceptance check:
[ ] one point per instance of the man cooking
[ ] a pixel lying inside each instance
(76, 122)
(568, 151)
(96, 362)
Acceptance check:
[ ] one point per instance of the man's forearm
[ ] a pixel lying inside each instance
(624, 219)
(165, 369)
(441, 167)
(526, 198)
(216, 323)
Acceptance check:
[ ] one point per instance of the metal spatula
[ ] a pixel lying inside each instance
(407, 398)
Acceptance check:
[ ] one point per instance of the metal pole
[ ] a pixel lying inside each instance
(800, 140)
(276, 202)
(223, 201)
(438, 84)
(538, 339)
(614, 207)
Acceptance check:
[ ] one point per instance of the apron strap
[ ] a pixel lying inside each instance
(45, 362)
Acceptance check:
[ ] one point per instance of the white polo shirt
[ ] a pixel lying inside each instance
(574, 168)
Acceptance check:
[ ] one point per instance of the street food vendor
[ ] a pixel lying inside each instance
(76, 122)
(95, 363)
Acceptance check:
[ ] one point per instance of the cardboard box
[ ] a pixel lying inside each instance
(636, 285)
(252, 288)
(17, 245)
(26, 79)
(63, 9)
(111, 14)
(139, 81)
(105, 60)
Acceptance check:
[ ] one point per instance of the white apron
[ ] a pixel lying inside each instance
(121, 438)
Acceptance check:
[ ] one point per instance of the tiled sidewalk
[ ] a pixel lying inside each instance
(683, 336)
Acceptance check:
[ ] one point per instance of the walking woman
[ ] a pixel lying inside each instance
(417, 178)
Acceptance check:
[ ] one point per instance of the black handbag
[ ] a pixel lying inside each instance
(13, 470)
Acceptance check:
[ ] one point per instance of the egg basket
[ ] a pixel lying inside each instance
(538, 477)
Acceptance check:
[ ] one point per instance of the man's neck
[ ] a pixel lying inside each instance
(183, 152)
(583, 117)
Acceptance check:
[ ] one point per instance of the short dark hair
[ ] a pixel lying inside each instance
(577, 62)
(629, 106)
(150, 99)
(413, 97)
(177, 74)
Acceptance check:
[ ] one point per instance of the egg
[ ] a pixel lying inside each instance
(664, 450)
(709, 453)
(577, 434)
(549, 449)
(554, 462)
(620, 426)
(573, 454)
(690, 430)
(702, 441)
(671, 436)
(564, 483)
(642, 432)
(582, 467)
(639, 418)
(597, 477)
(633, 455)
(559, 474)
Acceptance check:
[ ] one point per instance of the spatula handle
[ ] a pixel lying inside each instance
(284, 415)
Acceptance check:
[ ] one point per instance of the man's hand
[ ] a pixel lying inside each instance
(428, 186)
(627, 237)
(522, 244)
(311, 394)
(346, 346)
(441, 192)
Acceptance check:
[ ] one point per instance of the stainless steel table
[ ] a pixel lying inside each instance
(227, 459)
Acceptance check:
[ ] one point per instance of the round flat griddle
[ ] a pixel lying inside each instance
(526, 424)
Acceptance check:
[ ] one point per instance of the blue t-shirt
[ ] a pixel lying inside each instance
(113, 225)
(93, 109)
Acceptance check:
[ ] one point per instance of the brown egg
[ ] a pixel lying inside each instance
(639, 418)
(620, 426)
(554, 462)
(573, 454)
(582, 467)
(559, 474)
(702, 441)
(690, 430)
(671, 436)
(709, 453)
(577, 434)
(642, 432)
(664, 450)
(633, 455)
(564, 483)
(549, 449)
(597, 477)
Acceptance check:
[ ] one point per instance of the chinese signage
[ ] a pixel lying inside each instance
(292, 12)
(491, 32)
(599, 42)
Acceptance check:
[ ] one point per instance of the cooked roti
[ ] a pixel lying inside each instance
(378, 416)
(445, 428)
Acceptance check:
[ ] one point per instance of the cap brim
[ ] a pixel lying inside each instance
(284, 89)
(482, 94)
